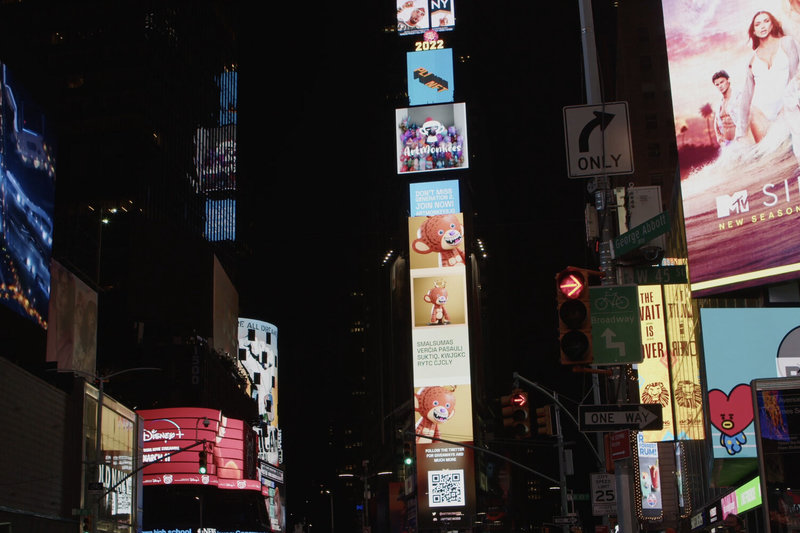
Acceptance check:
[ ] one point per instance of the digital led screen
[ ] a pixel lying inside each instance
(72, 322)
(228, 84)
(258, 355)
(777, 404)
(654, 379)
(737, 125)
(431, 138)
(430, 77)
(220, 219)
(684, 360)
(174, 438)
(648, 482)
(215, 158)
(417, 16)
(441, 370)
(27, 194)
(740, 345)
(434, 198)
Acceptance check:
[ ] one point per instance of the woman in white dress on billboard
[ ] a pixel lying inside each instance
(770, 81)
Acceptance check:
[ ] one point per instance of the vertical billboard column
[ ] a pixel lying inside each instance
(441, 362)
(258, 355)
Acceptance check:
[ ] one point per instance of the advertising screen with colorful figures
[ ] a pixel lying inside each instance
(431, 138)
(763, 343)
(441, 360)
(737, 124)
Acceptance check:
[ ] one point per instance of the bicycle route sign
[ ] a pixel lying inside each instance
(616, 333)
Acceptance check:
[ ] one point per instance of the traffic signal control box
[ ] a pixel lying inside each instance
(574, 316)
(516, 413)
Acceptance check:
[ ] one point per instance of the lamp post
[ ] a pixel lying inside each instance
(330, 494)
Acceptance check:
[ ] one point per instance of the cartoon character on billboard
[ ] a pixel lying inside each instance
(442, 234)
(436, 405)
(437, 297)
(731, 414)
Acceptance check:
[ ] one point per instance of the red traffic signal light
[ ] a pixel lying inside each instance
(574, 319)
(516, 413)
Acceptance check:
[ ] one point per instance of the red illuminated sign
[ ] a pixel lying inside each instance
(174, 440)
(571, 284)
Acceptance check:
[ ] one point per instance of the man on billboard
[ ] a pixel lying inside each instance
(411, 16)
(727, 115)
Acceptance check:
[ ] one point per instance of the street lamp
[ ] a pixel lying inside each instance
(330, 494)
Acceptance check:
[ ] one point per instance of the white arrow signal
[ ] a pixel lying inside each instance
(609, 335)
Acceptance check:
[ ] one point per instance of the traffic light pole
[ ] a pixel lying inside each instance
(560, 407)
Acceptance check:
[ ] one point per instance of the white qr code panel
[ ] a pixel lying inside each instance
(445, 488)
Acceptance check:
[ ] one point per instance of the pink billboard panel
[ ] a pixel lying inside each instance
(174, 439)
(733, 73)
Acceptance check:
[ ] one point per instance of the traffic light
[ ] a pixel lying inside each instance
(516, 413)
(203, 460)
(544, 420)
(87, 524)
(574, 318)
(408, 458)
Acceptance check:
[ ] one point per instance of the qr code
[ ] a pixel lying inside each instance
(445, 488)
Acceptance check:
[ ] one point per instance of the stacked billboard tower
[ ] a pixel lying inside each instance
(431, 136)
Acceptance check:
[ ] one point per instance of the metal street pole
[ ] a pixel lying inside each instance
(332, 514)
(562, 472)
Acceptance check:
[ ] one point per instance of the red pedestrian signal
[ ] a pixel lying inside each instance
(574, 319)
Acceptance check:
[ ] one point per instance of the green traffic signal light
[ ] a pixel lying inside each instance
(203, 467)
(408, 458)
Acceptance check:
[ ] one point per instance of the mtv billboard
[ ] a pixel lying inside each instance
(737, 124)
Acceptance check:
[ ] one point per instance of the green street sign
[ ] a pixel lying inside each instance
(616, 331)
(637, 236)
(664, 275)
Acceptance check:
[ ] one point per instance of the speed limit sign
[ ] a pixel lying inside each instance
(604, 494)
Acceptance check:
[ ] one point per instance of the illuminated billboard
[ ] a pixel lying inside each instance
(431, 138)
(258, 355)
(737, 125)
(27, 195)
(174, 438)
(417, 16)
(72, 323)
(441, 366)
(228, 84)
(215, 158)
(430, 76)
(653, 371)
(434, 198)
(740, 345)
(777, 404)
